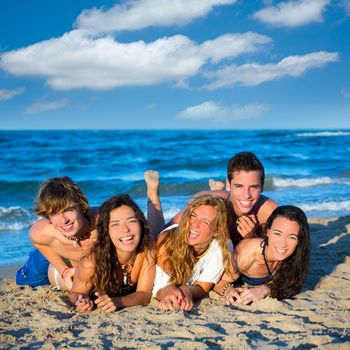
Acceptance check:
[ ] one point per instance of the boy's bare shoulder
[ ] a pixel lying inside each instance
(265, 207)
(41, 232)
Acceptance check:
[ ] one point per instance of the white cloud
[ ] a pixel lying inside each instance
(6, 94)
(232, 45)
(211, 110)
(43, 106)
(140, 14)
(76, 61)
(254, 73)
(293, 13)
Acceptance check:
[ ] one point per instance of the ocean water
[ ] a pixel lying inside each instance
(308, 168)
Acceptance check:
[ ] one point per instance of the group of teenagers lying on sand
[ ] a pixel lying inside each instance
(236, 242)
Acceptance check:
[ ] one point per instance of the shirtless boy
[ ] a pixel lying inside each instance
(66, 229)
(64, 232)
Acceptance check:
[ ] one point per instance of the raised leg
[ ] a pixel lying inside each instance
(155, 216)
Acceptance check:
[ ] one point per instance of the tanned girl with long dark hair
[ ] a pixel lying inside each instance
(119, 269)
(275, 265)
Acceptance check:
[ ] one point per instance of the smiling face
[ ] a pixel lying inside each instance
(202, 227)
(282, 239)
(245, 188)
(124, 229)
(69, 222)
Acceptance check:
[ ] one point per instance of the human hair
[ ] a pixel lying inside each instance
(291, 272)
(103, 252)
(57, 194)
(181, 256)
(246, 161)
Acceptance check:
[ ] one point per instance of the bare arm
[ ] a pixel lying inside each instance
(194, 293)
(144, 284)
(223, 284)
(242, 258)
(79, 294)
(245, 255)
(42, 240)
(170, 297)
(173, 297)
(142, 294)
(200, 289)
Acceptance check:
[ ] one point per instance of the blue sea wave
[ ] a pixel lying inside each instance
(15, 218)
(309, 168)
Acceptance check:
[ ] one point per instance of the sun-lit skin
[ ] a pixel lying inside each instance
(116, 262)
(245, 189)
(124, 229)
(69, 222)
(202, 228)
(282, 239)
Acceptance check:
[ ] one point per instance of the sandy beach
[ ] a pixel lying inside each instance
(319, 317)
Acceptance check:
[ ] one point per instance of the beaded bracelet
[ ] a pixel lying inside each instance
(224, 288)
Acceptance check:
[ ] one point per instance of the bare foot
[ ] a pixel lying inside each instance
(155, 216)
(216, 185)
(152, 182)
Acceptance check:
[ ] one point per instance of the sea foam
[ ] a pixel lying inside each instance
(331, 206)
(323, 134)
(15, 218)
(303, 182)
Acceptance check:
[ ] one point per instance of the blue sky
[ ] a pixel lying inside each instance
(174, 64)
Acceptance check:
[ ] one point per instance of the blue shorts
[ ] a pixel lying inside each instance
(34, 271)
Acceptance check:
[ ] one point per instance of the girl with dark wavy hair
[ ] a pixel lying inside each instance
(275, 265)
(119, 269)
(192, 256)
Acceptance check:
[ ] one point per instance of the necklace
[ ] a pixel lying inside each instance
(126, 270)
(76, 240)
(203, 253)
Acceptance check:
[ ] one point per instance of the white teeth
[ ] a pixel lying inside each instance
(128, 238)
(193, 234)
(280, 250)
(67, 227)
